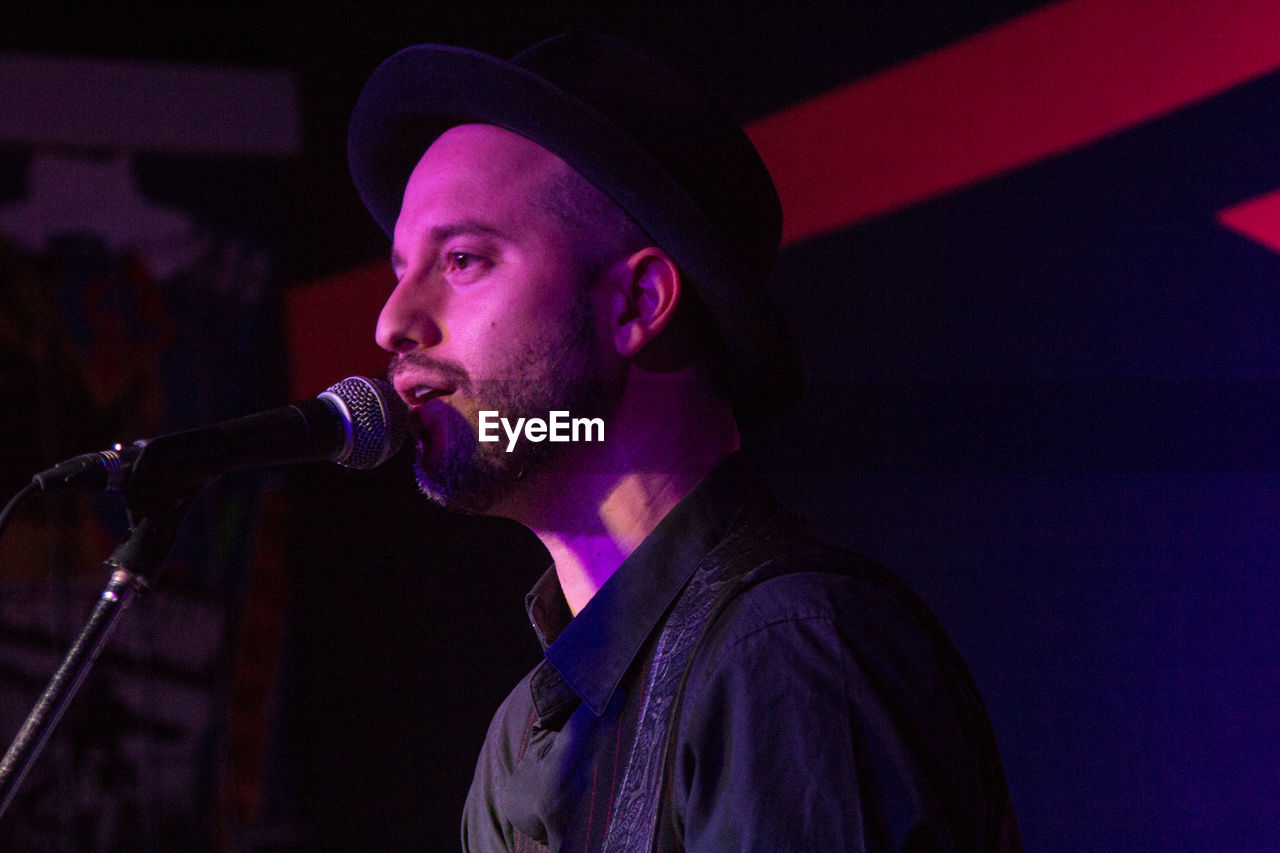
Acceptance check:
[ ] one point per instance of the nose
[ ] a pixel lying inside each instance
(408, 319)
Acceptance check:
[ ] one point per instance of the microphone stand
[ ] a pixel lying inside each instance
(150, 540)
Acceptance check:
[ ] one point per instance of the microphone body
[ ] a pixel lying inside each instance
(359, 423)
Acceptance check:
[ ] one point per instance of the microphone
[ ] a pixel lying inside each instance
(359, 423)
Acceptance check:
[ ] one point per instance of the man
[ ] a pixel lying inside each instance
(579, 231)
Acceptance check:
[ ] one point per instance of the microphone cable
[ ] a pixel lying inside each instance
(11, 508)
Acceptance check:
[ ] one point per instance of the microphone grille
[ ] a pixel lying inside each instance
(379, 421)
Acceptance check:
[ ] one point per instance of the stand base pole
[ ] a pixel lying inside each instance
(119, 592)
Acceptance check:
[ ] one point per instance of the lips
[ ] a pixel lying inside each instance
(420, 395)
(417, 392)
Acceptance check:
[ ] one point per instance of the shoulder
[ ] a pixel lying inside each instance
(784, 573)
(816, 584)
(834, 626)
(824, 680)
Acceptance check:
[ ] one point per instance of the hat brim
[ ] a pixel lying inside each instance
(420, 92)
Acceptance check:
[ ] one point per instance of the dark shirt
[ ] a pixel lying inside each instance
(824, 709)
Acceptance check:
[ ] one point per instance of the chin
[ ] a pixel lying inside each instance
(474, 482)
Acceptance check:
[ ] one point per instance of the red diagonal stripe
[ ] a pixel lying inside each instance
(1043, 83)
(1258, 219)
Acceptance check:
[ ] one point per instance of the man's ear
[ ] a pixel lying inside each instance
(646, 290)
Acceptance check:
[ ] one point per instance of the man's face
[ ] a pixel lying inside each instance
(493, 310)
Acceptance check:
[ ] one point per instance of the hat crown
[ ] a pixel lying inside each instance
(695, 139)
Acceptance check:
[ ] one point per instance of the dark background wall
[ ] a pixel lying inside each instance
(1046, 396)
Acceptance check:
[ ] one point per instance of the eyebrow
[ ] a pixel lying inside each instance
(449, 230)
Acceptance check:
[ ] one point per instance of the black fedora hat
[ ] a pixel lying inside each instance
(662, 151)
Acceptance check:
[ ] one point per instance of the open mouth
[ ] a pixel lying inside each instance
(420, 395)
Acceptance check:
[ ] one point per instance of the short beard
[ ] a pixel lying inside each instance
(558, 371)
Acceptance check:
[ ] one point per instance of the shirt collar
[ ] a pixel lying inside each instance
(592, 651)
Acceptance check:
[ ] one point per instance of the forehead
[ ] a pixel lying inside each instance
(486, 155)
(477, 174)
(482, 190)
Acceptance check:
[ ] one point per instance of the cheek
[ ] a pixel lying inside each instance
(494, 327)
(474, 325)
(493, 345)
(521, 320)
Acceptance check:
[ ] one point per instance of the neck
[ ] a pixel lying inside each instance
(602, 500)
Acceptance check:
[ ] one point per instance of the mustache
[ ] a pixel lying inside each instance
(449, 372)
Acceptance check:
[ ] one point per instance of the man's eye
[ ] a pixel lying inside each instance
(464, 262)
